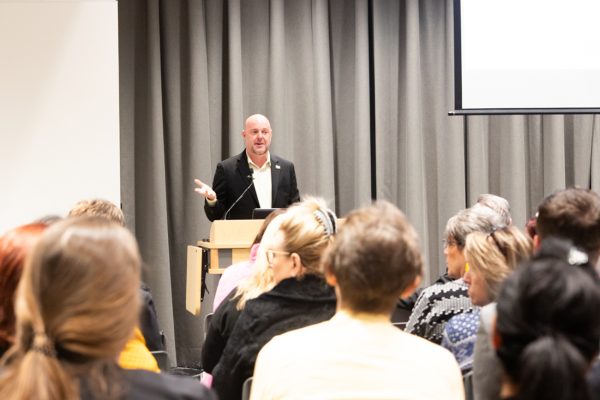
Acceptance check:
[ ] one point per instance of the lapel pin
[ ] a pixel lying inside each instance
(277, 166)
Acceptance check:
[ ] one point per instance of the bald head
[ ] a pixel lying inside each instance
(257, 137)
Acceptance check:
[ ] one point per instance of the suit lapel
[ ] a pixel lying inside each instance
(275, 172)
(244, 170)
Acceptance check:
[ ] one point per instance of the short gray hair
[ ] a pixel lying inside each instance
(474, 219)
(497, 204)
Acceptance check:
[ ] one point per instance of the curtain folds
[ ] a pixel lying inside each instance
(192, 70)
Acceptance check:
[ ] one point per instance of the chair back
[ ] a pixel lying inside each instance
(246, 389)
(468, 382)
(207, 319)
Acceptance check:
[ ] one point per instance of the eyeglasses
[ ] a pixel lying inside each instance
(271, 255)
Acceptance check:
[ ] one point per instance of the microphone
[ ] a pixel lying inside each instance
(239, 198)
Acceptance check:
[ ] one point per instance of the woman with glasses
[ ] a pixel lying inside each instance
(301, 297)
(227, 313)
(438, 303)
(491, 258)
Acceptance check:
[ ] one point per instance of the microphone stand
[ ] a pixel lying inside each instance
(239, 198)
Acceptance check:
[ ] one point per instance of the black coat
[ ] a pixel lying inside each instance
(146, 385)
(232, 178)
(218, 332)
(292, 304)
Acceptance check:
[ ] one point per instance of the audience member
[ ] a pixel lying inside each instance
(147, 336)
(497, 204)
(228, 312)
(547, 330)
(236, 273)
(491, 259)
(571, 213)
(74, 315)
(14, 247)
(358, 353)
(301, 297)
(438, 303)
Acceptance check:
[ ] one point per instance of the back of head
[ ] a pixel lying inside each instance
(14, 247)
(573, 214)
(495, 255)
(76, 307)
(497, 204)
(467, 221)
(549, 326)
(98, 208)
(308, 228)
(374, 258)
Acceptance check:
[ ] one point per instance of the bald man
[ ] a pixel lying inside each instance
(274, 179)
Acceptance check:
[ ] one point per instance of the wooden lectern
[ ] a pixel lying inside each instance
(229, 243)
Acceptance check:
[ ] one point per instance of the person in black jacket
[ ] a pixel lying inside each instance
(76, 307)
(300, 298)
(255, 178)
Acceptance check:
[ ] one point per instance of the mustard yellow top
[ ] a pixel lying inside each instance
(136, 355)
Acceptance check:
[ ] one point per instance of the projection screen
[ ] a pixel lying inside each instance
(527, 56)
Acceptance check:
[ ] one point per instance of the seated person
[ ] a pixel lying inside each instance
(300, 297)
(228, 312)
(77, 305)
(498, 205)
(547, 330)
(438, 303)
(572, 214)
(491, 259)
(14, 247)
(147, 336)
(358, 353)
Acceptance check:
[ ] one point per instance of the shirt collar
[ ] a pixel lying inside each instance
(254, 166)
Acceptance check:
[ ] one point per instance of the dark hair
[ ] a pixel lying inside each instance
(374, 258)
(14, 247)
(548, 323)
(573, 214)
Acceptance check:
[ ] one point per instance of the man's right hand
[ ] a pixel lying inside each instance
(205, 190)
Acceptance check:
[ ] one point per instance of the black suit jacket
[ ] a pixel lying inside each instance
(233, 176)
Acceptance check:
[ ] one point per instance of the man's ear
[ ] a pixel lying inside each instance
(410, 289)
(330, 277)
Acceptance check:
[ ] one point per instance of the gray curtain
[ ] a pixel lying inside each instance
(191, 71)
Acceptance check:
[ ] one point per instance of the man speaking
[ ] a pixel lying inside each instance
(253, 179)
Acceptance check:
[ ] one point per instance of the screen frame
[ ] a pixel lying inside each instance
(458, 106)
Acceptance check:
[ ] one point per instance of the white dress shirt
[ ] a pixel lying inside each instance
(262, 181)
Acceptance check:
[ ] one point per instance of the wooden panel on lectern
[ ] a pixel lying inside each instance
(230, 242)
(193, 280)
(235, 231)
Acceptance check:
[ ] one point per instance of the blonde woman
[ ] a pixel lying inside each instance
(76, 307)
(491, 258)
(226, 315)
(300, 297)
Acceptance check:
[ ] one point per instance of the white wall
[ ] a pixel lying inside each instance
(59, 106)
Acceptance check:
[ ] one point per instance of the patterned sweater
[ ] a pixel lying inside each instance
(435, 306)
